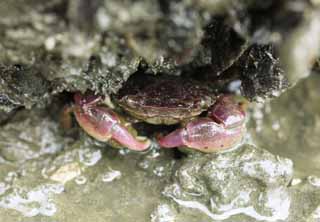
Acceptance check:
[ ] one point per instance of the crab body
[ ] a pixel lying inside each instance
(164, 100)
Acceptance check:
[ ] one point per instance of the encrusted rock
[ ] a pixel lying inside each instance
(249, 180)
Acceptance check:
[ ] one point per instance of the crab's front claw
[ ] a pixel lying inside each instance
(227, 111)
(103, 124)
(204, 135)
(176, 138)
(125, 138)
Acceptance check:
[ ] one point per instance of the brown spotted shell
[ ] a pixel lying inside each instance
(164, 99)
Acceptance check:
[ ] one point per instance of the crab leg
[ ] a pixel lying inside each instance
(65, 117)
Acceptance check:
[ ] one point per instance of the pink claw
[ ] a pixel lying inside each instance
(223, 130)
(174, 139)
(103, 124)
(87, 100)
(203, 134)
(227, 112)
(123, 136)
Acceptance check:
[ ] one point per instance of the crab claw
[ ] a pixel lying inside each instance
(174, 139)
(125, 138)
(204, 135)
(222, 129)
(87, 100)
(227, 111)
(103, 124)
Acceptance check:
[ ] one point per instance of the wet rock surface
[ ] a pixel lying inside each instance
(247, 181)
(48, 50)
(45, 175)
(48, 177)
(54, 43)
(296, 112)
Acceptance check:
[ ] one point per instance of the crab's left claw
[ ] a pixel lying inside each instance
(204, 135)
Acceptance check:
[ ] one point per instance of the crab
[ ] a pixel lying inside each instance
(102, 123)
(167, 100)
(173, 100)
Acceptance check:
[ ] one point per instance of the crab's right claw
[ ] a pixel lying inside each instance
(125, 138)
(174, 139)
(228, 112)
(103, 124)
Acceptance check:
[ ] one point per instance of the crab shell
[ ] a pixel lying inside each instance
(168, 100)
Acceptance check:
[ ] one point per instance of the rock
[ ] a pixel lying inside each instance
(51, 49)
(66, 173)
(249, 180)
(261, 73)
